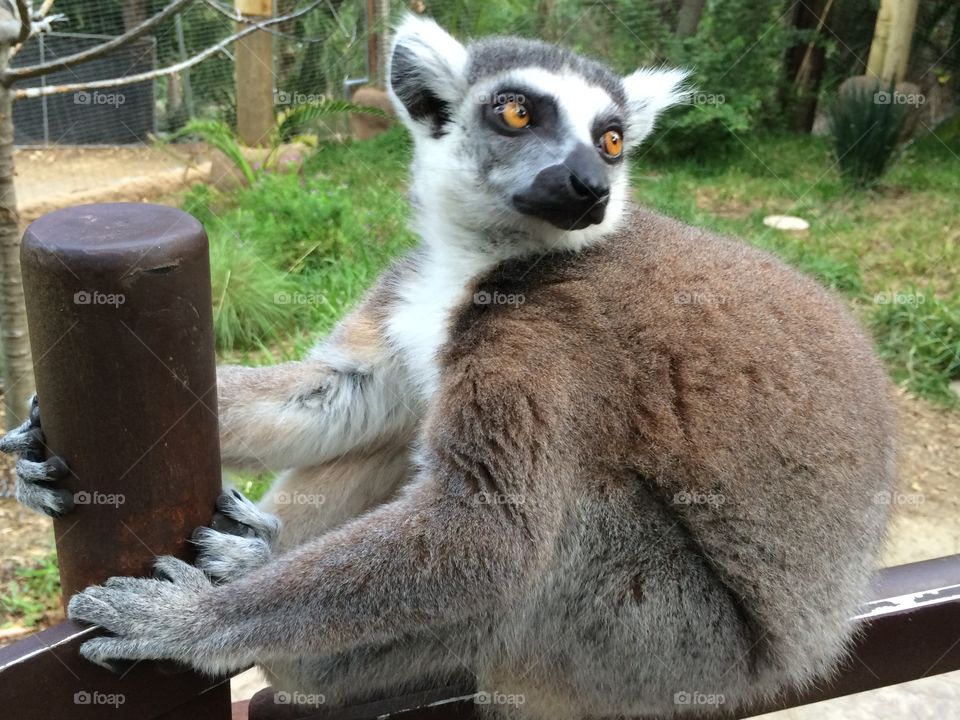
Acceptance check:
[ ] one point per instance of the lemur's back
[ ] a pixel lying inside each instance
(736, 433)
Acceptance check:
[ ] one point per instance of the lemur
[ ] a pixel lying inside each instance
(595, 459)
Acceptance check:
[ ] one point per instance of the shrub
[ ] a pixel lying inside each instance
(865, 131)
(250, 297)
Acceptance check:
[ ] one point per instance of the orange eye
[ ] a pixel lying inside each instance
(612, 143)
(515, 115)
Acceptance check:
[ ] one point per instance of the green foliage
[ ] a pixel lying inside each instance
(249, 305)
(291, 125)
(919, 335)
(290, 253)
(737, 60)
(32, 593)
(300, 119)
(297, 223)
(221, 136)
(865, 132)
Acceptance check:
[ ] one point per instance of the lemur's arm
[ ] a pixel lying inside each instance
(349, 393)
(466, 538)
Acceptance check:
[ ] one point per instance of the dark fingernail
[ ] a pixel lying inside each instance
(57, 468)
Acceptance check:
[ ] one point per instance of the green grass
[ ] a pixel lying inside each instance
(290, 254)
(33, 592)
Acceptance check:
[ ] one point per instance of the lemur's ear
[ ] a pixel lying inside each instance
(427, 74)
(650, 92)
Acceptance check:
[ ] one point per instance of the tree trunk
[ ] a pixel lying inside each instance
(17, 365)
(890, 50)
(805, 64)
(688, 17)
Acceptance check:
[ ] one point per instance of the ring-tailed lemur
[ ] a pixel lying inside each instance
(646, 458)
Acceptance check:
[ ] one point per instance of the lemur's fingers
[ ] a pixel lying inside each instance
(239, 516)
(45, 471)
(225, 557)
(53, 502)
(114, 654)
(27, 437)
(34, 486)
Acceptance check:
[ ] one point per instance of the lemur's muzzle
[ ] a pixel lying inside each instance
(570, 195)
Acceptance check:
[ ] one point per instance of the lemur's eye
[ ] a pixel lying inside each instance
(515, 115)
(612, 143)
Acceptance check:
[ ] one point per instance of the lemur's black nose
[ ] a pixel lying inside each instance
(572, 194)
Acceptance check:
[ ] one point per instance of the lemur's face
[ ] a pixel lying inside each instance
(513, 134)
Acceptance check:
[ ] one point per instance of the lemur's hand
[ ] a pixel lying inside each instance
(150, 618)
(36, 476)
(238, 540)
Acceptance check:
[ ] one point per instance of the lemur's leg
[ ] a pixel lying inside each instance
(351, 393)
(435, 557)
(302, 504)
(311, 501)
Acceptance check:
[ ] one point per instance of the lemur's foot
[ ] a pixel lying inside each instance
(36, 476)
(238, 540)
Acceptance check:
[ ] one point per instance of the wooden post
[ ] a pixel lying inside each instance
(120, 315)
(254, 75)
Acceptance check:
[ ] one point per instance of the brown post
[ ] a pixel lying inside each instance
(254, 75)
(119, 309)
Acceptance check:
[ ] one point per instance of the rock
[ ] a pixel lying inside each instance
(955, 387)
(786, 222)
(364, 127)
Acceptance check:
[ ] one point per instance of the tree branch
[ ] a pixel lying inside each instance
(169, 70)
(12, 75)
(24, 11)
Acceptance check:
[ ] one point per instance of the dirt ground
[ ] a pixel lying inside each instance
(55, 177)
